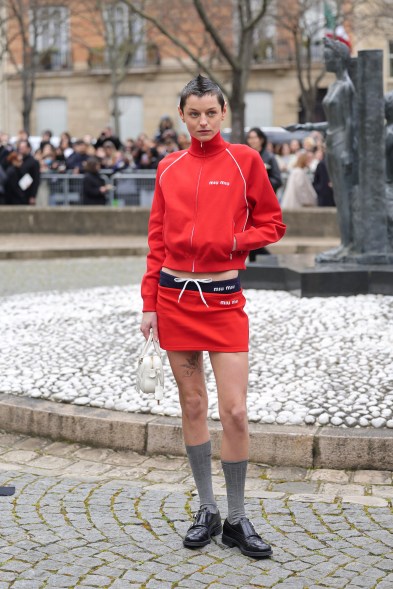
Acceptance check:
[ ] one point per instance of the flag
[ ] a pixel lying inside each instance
(332, 30)
(330, 19)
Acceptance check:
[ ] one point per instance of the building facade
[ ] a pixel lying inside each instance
(81, 54)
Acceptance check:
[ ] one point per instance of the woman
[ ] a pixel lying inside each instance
(14, 194)
(257, 139)
(321, 181)
(94, 188)
(299, 191)
(212, 204)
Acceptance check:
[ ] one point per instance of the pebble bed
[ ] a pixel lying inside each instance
(323, 361)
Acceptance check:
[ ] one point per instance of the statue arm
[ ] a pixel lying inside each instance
(307, 127)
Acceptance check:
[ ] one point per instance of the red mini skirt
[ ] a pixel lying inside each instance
(206, 316)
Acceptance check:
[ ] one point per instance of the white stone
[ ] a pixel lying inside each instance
(378, 422)
(289, 372)
(324, 419)
(82, 401)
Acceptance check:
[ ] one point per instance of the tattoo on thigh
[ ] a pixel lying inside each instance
(193, 363)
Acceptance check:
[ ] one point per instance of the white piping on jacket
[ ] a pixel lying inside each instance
(177, 160)
(245, 185)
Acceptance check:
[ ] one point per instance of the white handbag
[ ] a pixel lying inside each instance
(149, 371)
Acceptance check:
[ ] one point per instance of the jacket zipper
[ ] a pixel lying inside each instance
(196, 212)
(195, 217)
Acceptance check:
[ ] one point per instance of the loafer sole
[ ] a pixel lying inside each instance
(214, 532)
(231, 542)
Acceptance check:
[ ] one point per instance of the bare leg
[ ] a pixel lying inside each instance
(231, 373)
(187, 368)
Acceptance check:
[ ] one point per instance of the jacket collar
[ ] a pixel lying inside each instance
(208, 148)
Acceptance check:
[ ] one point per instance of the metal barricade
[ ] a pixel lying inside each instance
(134, 188)
(127, 188)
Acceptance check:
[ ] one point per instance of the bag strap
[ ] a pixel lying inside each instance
(148, 344)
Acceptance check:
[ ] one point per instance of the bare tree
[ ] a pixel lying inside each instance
(229, 39)
(306, 22)
(27, 39)
(120, 36)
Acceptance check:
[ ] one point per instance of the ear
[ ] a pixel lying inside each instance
(224, 111)
(181, 114)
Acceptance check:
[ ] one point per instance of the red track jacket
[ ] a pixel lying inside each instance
(204, 197)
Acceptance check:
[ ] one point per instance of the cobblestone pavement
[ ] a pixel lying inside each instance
(96, 518)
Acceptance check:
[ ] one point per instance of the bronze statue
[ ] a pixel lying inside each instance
(389, 163)
(341, 154)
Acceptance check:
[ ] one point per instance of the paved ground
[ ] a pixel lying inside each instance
(30, 246)
(22, 276)
(93, 518)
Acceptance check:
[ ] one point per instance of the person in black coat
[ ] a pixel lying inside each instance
(78, 157)
(322, 185)
(94, 188)
(257, 139)
(32, 167)
(13, 193)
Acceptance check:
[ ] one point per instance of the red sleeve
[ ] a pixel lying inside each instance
(156, 255)
(264, 225)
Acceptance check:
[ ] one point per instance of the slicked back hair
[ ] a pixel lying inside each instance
(200, 86)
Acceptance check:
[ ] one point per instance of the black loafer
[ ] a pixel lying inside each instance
(244, 536)
(205, 526)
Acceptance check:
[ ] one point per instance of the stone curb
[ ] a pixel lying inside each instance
(302, 446)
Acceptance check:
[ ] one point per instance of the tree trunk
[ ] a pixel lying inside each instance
(28, 93)
(116, 112)
(308, 99)
(115, 100)
(238, 111)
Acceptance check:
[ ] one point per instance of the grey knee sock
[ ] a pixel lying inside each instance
(201, 466)
(235, 479)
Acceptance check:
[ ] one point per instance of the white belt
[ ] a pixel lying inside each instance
(196, 281)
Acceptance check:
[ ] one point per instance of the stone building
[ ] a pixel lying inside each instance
(75, 75)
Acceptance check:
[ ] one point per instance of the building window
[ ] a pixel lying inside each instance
(131, 116)
(391, 59)
(264, 35)
(51, 114)
(259, 109)
(124, 35)
(49, 36)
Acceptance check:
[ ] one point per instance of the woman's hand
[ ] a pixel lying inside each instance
(149, 321)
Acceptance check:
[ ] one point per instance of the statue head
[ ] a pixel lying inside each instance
(341, 50)
(389, 107)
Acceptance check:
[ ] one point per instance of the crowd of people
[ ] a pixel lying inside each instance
(297, 171)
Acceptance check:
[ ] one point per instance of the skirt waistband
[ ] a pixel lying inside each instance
(213, 286)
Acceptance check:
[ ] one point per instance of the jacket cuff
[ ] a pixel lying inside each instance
(240, 242)
(149, 305)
